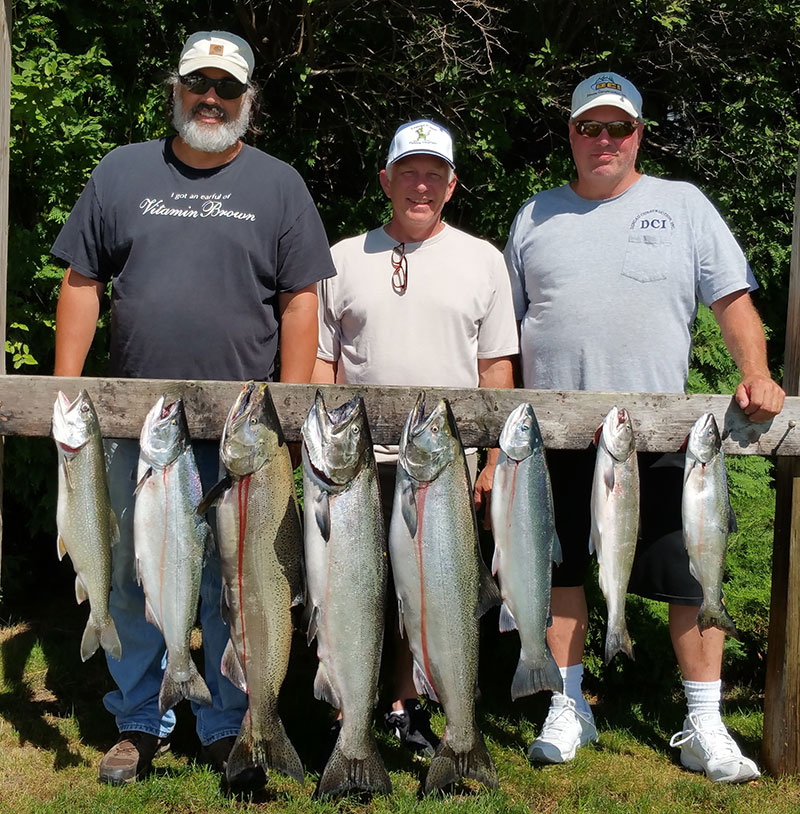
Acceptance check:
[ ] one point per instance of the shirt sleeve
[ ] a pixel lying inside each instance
(498, 331)
(516, 270)
(328, 344)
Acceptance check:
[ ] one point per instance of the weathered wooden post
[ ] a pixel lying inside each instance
(781, 743)
(5, 130)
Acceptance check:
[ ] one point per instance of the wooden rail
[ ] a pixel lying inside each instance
(568, 419)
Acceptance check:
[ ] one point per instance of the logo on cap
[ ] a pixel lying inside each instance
(217, 50)
(607, 83)
(423, 135)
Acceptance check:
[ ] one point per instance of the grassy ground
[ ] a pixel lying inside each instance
(53, 731)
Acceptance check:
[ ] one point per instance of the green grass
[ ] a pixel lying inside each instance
(54, 730)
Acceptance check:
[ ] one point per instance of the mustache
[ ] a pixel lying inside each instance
(202, 107)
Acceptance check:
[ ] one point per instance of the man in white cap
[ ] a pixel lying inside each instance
(416, 302)
(607, 272)
(214, 249)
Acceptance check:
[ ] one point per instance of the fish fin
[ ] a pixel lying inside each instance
(401, 616)
(61, 548)
(313, 624)
(324, 690)
(113, 527)
(507, 621)
(322, 514)
(297, 584)
(535, 676)
(408, 507)
(90, 640)
(172, 691)
(732, 524)
(231, 667)
(448, 766)
(496, 560)
(81, 594)
(225, 604)
(67, 474)
(422, 683)
(558, 557)
(214, 494)
(140, 485)
(109, 640)
(618, 641)
(150, 615)
(343, 775)
(276, 753)
(717, 617)
(489, 593)
(694, 571)
(608, 477)
(591, 545)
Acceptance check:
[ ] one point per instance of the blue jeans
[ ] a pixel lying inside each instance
(138, 674)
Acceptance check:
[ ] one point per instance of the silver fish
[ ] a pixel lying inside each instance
(707, 520)
(170, 541)
(442, 585)
(260, 544)
(615, 521)
(87, 526)
(526, 546)
(346, 562)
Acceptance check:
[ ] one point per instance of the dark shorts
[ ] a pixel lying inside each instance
(661, 565)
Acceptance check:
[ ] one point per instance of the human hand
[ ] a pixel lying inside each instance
(482, 493)
(760, 397)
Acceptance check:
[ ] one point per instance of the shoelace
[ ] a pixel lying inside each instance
(705, 731)
(551, 721)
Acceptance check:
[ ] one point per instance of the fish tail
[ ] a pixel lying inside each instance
(447, 766)
(343, 775)
(274, 753)
(172, 691)
(618, 641)
(718, 617)
(535, 676)
(109, 639)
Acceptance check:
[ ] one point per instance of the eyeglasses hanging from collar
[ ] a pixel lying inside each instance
(399, 269)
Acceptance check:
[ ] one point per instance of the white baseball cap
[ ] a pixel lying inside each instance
(421, 137)
(217, 49)
(606, 89)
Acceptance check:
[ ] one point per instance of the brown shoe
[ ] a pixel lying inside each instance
(216, 754)
(130, 757)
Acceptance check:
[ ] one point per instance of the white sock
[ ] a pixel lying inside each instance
(573, 680)
(703, 697)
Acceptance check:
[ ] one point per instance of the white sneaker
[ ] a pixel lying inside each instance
(564, 729)
(706, 746)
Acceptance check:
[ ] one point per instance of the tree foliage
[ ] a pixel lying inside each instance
(719, 81)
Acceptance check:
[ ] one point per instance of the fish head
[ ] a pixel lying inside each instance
(252, 434)
(165, 433)
(337, 442)
(429, 443)
(521, 436)
(74, 423)
(704, 441)
(617, 435)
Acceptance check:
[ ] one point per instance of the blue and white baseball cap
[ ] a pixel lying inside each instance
(606, 89)
(421, 137)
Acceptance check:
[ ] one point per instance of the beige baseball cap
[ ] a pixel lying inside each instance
(421, 137)
(217, 49)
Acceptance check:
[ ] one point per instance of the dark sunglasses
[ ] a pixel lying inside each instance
(590, 129)
(226, 88)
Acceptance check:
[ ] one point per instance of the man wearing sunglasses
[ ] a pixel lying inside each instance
(607, 272)
(417, 302)
(213, 248)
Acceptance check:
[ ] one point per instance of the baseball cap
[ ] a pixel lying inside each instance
(217, 49)
(421, 137)
(606, 89)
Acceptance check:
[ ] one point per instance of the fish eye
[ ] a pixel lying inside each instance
(434, 428)
(84, 408)
(254, 420)
(526, 426)
(356, 430)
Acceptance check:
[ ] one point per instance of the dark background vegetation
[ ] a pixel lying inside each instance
(720, 86)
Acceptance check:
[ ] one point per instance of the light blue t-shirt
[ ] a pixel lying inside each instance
(607, 291)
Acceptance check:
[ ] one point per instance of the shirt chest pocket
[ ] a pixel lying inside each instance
(647, 257)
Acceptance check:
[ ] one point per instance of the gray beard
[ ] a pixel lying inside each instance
(211, 138)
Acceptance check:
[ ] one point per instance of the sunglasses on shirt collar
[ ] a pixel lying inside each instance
(226, 88)
(592, 129)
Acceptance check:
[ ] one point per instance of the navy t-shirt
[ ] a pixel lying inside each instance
(197, 258)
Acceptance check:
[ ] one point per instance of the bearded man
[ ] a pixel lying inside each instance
(214, 250)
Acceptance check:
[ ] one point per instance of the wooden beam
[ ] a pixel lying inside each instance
(5, 133)
(568, 419)
(781, 742)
